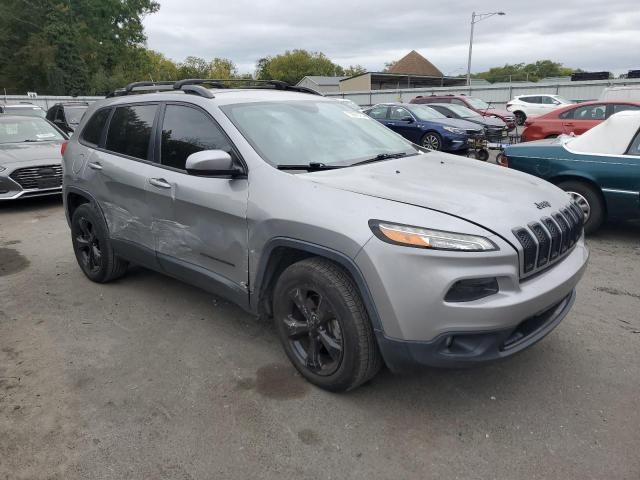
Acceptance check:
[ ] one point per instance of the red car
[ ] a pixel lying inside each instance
(475, 104)
(576, 118)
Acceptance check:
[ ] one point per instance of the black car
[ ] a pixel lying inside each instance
(496, 130)
(66, 116)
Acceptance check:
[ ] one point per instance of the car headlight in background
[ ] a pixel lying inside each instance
(428, 238)
(457, 131)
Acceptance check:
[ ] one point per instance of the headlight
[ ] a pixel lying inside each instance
(455, 130)
(428, 238)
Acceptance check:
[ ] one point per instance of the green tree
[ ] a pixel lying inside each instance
(222, 68)
(353, 70)
(193, 67)
(292, 65)
(522, 72)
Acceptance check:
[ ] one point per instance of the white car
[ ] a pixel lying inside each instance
(524, 106)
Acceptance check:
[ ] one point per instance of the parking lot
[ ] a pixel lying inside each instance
(150, 378)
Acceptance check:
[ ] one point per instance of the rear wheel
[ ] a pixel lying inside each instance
(92, 246)
(323, 325)
(590, 202)
(432, 141)
(520, 117)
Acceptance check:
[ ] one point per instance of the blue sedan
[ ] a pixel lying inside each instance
(425, 126)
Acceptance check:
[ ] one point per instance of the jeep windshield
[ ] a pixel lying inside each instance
(316, 132)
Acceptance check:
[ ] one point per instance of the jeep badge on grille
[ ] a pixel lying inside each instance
(543, 204)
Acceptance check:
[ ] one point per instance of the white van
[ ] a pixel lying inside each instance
(621, 93)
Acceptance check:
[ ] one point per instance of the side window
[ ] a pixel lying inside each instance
(590, 112)
(634, 148)
(398, 113)
(92, 133)
(130, 130)
(59, 114)
(548, 100)
(186, 130)
(379, 113)
(621, 107)
(526, 99)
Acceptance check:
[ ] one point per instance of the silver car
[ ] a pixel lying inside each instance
(365, 249)
(30, 159)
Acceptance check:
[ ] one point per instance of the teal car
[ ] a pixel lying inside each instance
(600, 169)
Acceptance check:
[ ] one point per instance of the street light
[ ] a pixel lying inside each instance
(475, 18)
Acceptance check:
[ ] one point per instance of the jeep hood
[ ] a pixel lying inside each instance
(496, 198)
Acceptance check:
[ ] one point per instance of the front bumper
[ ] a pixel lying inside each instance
(409, 286)
(462, 349)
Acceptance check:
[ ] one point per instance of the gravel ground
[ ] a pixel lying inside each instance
(147, 378)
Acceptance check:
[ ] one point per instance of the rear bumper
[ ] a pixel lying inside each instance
(460, 349)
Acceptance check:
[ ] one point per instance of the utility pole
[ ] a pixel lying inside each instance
(475, 18)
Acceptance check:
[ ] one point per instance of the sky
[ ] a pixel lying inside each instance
(589, 34)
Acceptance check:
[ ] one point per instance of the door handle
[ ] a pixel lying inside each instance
(95, 166)
(159, 182)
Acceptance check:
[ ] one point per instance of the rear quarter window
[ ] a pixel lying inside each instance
(130, 130)
(92, 132)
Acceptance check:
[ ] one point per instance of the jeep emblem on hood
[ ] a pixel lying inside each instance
(543, 204)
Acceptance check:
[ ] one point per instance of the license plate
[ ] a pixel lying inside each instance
(48, 183)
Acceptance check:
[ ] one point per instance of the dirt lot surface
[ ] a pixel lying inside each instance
(147, 378)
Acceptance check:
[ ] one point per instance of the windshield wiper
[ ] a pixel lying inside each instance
(383, 156)
(310, 167)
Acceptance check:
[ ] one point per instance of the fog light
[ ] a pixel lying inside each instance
(472, 289)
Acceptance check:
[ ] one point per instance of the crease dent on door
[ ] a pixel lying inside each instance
(122, 223)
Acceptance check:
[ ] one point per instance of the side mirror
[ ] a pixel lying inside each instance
(407, 119)
(212, 163)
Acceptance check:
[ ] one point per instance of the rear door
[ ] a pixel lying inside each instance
(116, 174)
(199, 224)
(581, 119)
(401, 121)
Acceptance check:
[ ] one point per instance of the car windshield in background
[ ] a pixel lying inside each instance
(27, 129)
(426, 113)
(319, 132)
(477, 103)
(24, 111)
(74, 114)
(463, 112)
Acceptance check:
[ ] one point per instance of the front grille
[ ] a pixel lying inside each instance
(549, 240)
(474, 131)
(41, 177)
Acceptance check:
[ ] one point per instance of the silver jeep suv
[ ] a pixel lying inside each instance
(364, 248)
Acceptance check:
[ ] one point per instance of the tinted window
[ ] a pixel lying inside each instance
(378, 112)
(526, 99)
(130, 130)
(634, 149)
(621, 107)
(549, 101)
(185, 131)
(398, 113)
(93, 131)
(590, 112)
(75, 114)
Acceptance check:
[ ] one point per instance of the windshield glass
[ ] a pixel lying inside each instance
(74, 114)
(426, 113)
(461, 111)
(27, 129)
(477, 103)
(24, 111)
(303, 132)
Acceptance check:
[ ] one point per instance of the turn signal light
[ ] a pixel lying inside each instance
(63, 147)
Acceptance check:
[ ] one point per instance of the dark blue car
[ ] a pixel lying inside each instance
(425, 126)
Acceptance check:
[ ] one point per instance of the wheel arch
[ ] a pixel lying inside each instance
(281, 252)
(577, 177)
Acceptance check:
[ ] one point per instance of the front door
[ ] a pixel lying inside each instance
(199, 224)
(584, 118)
(401, 121)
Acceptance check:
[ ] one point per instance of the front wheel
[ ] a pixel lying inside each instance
(323, 325)
(432, 141)
(590, 202)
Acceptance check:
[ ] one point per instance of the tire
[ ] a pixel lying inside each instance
(590, 201)
(92, 246)
(482, 155)
(323, 325)
(520, 117)
(432, 141)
